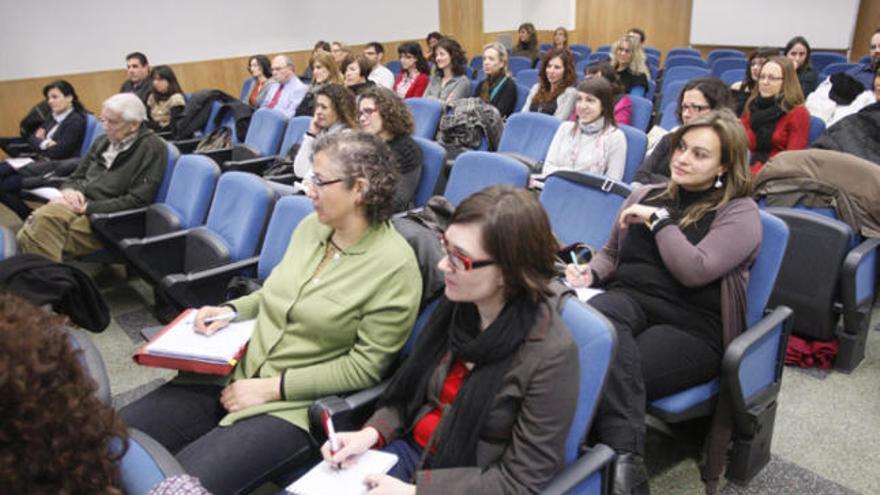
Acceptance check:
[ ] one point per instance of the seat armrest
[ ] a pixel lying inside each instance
(593, 467)
(348, 412)
(757, 341)
(197, 289)
(155, 257)
(115, 226)
(219, 156)
(859, 275)
(535, 166)
(187, 146)
(253, 165)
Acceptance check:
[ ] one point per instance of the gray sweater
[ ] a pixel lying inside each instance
(457, 87)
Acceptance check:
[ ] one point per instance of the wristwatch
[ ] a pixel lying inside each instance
(659, 215)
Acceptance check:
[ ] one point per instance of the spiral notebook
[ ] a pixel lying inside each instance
(323, 478)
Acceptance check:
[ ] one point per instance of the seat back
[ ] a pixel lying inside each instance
(433, 158)
(683, 61)
(246, 87)
(808, 279)
(682, 73)
(834, 68)
(476, 170)
(820, 59)
(599, 57)
(171, 162)
(145, 464)
(94, 128)
(518, 63)
(731, 76)
(189, 195)
(527, 77)
(596, 342)
(720, 53)
(288, 213)
(582, 207)
(92, 362)
(669, 120)
(721, 65)
(477, 62)
(641, 112)
(765, 269)
(603, 49)
(522, 94)
(671, 92)
(636, 146)
(817, 128)
(421, 322)
(394, 67)
(296, 129)
(210, 125)
(652, 51)
(426, 114)
(691, 52)
(529, 134)
(583, 50)
(239, 211)
(266, 131)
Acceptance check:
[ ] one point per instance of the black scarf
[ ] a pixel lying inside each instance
(455, 328)
(764, 113)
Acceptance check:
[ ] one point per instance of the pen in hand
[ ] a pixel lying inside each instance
(225, 316)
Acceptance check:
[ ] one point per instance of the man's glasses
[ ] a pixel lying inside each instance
(460, 261)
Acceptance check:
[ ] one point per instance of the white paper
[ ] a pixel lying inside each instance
(45, 192)
(18, 163)
(586, 293)
(182, 341)
(323, 479)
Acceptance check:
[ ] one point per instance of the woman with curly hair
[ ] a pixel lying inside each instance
(330, 318)
(54, 431)
(383, 114)
(324, 71)
(554, 93)
(334, 111)
(628, 59)
(449, 81)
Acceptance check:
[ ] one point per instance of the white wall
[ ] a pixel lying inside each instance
(49, 37)
(504, 15)
(824, 23)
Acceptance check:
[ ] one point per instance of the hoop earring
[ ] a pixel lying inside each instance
(718, 183)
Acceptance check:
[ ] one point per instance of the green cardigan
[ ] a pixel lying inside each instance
(335, 333)
(132, 181)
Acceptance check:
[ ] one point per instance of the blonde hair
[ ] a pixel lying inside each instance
(502, 54)
(637, 65)
(736, 180)
(791, 95)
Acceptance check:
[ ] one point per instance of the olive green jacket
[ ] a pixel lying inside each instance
(334, 333)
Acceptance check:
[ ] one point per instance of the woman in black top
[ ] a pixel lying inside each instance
(798, 51)
(355, 72)
(384, 114)
(628, 58)
(527, 44)
(498, 88)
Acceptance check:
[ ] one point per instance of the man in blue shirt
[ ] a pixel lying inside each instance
(286, 95)
(864, 73)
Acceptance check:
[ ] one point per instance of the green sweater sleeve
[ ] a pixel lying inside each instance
(144, 181)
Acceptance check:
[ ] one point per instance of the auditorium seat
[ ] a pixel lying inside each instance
(641, 113)
(433, 159)
(263, 139)
(475, 170)
(636, 146)
(426, 114)
(527, 137)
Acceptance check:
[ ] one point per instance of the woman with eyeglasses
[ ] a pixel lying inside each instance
(484, 401)
(743, 89)
(323, 71)
(674, 273)
(775, 117)
(554, 93)
(330, 318)
(628, 59)
(698, 97)
(334, 111)
(413, 78)
(383, 114)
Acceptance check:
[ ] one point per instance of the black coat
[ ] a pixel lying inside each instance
(857, 134)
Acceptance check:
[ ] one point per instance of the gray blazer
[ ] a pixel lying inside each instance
(457, 87)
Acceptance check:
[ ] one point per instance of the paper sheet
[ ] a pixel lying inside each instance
(323, 479)
(182, 341)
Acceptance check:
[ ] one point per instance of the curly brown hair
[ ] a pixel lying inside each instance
(397, 118)
(55, 434)
(343, 103)
(355, 155)
(546, 92)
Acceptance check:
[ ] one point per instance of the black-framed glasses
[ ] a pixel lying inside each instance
(313, 180)
(460, 261)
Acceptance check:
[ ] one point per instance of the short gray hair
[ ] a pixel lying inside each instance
(128, 106)
(355, 154)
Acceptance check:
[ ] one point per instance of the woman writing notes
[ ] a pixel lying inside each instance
(495, 334)
(329, 319)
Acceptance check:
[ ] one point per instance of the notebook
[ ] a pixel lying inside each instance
(323, 478)
(179, 346)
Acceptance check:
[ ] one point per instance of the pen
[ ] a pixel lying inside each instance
(331, 434)
(574, 259)
(225, 316)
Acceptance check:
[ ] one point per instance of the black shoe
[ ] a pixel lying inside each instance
(629, 476)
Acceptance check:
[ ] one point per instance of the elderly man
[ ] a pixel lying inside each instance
(379, 74)
(286, 95)
(138, 81)
(864, 73)
(123, 169)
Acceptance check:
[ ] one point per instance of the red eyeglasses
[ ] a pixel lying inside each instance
(460, 261)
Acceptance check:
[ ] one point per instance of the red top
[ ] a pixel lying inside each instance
(426, 426)
(792, 133)
(418, 86)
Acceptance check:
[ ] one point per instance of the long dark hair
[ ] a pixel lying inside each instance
(165, 72)
(602, 90)
(343, 103)
(546, 93)
(457, 58)
(533, 36)
(414, 49)
(265, 65)
(800, 40)
(67, 90)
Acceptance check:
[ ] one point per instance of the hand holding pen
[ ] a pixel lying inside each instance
(209, 319)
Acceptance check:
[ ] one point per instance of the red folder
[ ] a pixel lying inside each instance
(144, 358)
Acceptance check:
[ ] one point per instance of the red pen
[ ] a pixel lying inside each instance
(331, 434)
